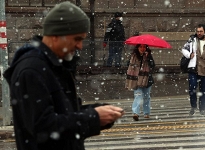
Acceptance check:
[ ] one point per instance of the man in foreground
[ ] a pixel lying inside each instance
(47, 113)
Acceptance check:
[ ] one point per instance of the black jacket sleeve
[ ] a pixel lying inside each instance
(115, 31)
(107, 32)
(97, 105)
(38, 115)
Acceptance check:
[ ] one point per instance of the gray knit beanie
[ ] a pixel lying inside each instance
(65, 19)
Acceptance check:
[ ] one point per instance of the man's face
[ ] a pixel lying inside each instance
(65, 46)
(200, 32)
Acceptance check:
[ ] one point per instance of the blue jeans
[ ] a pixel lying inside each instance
(194, 81)
(141, 94)
(115, 53)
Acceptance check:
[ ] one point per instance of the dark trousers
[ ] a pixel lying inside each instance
(194, 81)
(115, 53)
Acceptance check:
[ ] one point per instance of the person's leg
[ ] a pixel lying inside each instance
(202, 95)
(118, 54)
(111, 54)
(192, 92)
(136, 103)
(146, 101)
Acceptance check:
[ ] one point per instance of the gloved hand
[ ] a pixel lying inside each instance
(104, 45)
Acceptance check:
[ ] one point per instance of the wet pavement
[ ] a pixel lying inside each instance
(169, 127)
(7, 145)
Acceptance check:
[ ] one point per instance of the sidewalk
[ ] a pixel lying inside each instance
(6, 132)
(110, 88)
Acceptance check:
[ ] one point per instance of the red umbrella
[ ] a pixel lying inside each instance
(149, 40)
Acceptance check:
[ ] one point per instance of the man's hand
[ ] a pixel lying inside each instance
(192, 55)
(104, 45)
(109, 114)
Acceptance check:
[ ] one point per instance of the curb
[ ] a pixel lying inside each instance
(6, 132)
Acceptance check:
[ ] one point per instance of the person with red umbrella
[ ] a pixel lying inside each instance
(140, 80)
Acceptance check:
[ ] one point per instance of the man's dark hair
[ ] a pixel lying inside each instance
(118, 14)
(137, 33)
(201, 25)
(192, 36)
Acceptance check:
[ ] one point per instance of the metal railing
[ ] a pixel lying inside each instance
(165, 57)
(161, 56)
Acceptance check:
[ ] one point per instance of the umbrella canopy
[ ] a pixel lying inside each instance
(149, 40)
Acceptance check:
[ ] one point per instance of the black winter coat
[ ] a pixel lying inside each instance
(46, 111)
(115, 31)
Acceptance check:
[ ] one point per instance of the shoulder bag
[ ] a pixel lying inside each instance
(184, 64)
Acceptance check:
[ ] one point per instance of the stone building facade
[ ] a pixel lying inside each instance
(173, 20)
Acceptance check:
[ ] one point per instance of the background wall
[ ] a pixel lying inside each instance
(172, 20)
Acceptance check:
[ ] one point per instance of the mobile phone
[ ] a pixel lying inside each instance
(122, 111)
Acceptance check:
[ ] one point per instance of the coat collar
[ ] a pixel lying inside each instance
(46, 50)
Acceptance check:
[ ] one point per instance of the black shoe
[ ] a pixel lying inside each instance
(192, 111)
(202, 112)
(136, 117)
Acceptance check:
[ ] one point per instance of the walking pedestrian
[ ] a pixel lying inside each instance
(115, 36)
(194, 50)
(139, 79)
(47, 113)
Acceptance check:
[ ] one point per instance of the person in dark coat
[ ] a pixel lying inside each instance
(115, 35)
(47, 113)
